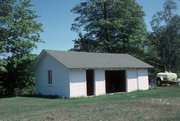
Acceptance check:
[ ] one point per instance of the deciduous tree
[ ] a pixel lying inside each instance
(19, 32)
(165, 38)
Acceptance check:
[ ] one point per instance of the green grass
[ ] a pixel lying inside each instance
(158, 104)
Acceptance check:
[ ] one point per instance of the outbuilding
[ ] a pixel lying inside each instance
(75, 74)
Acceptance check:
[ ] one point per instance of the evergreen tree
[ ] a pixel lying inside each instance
(113, 26)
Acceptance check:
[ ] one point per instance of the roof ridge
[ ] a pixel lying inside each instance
(87, 52)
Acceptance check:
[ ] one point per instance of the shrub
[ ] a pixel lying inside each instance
(30, 90)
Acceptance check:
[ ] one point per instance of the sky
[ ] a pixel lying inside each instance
(56, 17)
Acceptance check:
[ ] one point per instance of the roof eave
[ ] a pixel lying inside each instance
(109, 68)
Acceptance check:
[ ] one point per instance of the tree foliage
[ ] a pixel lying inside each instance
(18, 29)
(165, 38)
(19, 32)
(18, 75)
(84, 44)
(109, 26)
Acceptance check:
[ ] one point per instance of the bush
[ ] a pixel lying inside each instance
(30, 90)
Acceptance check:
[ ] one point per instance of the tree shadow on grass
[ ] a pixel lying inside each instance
(34, 96)
(41, 96)
(5, 96)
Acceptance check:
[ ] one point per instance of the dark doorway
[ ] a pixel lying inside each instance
(90, 82)
(115, 81)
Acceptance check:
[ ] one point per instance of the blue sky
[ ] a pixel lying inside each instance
(56, 18)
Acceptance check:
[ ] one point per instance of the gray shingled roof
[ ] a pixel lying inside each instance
(75, 60)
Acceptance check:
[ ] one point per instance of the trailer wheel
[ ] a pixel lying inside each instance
(159, 82)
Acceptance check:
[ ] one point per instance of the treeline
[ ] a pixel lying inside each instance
(111, 26)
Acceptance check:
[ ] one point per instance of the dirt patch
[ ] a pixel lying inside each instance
(162, 101)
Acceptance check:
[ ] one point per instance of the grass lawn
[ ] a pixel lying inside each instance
(158, 104)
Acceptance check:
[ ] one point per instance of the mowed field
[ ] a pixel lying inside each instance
(158, 104)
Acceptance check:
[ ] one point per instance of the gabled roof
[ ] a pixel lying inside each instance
(86, 60)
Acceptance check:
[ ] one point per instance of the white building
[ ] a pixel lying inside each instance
(75, 74)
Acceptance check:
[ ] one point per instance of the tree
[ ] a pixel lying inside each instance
(114, 26)
(19, 32)
(165, 38)
(84, 43)
(18, 29)
(18, 75)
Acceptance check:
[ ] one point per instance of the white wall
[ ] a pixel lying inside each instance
(143, 79)
(132, 81)
(137, 79)
(60, 78)
(78, 83)
(100, 85)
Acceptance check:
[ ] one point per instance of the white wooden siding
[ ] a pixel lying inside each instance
(100, 85)
(78, 86)
(60, 78)
(78, 83)
(132, 81)
(143, 79)
(137, 79)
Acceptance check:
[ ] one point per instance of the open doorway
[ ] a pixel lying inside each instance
(90, 82)
(115, 81)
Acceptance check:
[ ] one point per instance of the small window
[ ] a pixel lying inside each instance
(49, 77)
